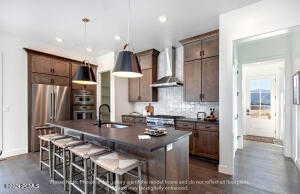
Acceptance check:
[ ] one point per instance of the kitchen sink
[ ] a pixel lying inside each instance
(112, 125)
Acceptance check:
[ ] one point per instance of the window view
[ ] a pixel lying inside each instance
(260, 98)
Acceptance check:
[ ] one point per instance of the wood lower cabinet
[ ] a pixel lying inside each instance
(206, 143)
(210, 79)
(192, 81)
(204, 140)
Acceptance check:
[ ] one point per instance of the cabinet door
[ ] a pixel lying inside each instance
(41, 64)
(60, 81)
(213, 146)
(210, 79)
(210, 46)
(145, 61)
(145, 89)
(192, 79)
(42, 79)
(134, 89)
(192, 51)
(200, 141)
(61, 67)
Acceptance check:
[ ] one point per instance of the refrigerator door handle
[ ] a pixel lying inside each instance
(51, 107)
(54, 107)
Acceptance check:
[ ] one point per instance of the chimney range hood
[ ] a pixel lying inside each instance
(169, 79)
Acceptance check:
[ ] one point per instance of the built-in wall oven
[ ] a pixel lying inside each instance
(84, 105)
(84, 112)
(83, 97)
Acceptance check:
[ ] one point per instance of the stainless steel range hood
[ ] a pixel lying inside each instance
(169, 79)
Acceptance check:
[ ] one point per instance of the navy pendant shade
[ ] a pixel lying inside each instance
(84, 75)
(127, 65)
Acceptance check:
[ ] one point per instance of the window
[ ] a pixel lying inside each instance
(260, 98)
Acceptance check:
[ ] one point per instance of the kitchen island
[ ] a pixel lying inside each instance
(167, 157)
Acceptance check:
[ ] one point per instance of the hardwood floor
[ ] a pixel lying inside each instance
(260, 165)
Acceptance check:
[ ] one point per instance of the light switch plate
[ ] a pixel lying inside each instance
(169, 147)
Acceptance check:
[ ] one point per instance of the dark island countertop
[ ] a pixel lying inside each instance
(127, 136)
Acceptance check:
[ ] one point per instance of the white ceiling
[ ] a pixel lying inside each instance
(42, 21)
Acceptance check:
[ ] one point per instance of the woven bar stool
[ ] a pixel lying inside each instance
(119, 164)
(83, 152)
(62, 153)
(46, 146)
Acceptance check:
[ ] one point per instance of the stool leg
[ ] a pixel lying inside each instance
(50, 159)
(118, 189)
(95, 179)
(71, 172)
(85, 176)
(41, 154)
(140, 178)
(64, 169)
(53, 161)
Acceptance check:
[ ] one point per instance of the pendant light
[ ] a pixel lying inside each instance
(127, 64)
(84, 74)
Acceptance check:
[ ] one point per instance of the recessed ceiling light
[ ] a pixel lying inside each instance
(117, 37)
(89, 49)
(58, 39)
(162, 18)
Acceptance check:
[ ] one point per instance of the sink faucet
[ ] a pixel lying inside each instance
(99, 112)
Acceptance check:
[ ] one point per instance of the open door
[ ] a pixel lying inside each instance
(261, 106)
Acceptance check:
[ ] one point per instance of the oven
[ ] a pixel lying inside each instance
(84, 112)
(82, 97)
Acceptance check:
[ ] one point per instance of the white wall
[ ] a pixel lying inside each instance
(14, 96)
(119, 88)
(262, 17)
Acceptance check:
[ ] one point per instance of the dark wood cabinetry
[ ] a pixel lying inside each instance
(139, 88)
(201, 68)
(204, 140)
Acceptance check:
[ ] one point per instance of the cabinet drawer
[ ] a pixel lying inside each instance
(60, 81)
(207, 127)
(42, 79)
(185, 125)
(61, 67)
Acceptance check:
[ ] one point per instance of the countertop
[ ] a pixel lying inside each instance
(185, 119)
(127, 136)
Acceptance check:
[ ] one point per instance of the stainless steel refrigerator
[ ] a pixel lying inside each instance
(49, 103)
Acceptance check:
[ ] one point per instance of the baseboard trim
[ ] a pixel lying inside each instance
(225, 169)
(13, 152)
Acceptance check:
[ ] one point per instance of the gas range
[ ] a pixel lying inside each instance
(161, 120)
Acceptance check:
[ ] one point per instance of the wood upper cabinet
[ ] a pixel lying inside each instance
(134, 89)
(210, 79)
(49, 65)
(145, 89)
(61, 67)
(192, 81)
(192, 51)
(201, 73)
(38, 78)
(210, 46)
(41, 64)
(139, 88)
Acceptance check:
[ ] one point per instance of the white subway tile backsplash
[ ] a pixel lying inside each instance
(171, 100)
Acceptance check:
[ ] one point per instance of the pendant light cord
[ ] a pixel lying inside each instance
(85, 21)
(2, 103)
(128, 24)
(130, 35)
